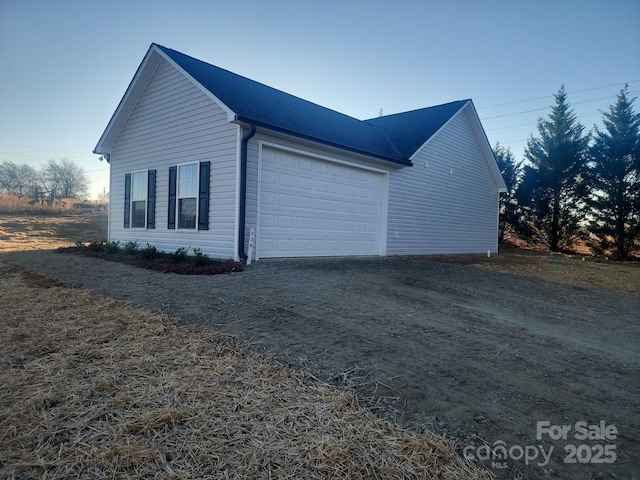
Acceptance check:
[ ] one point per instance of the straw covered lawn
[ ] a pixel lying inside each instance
(94, 388)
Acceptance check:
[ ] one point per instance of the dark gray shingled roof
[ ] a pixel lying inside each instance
(409, 130)
(393, 138)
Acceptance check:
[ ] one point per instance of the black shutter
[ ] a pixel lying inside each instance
(151, 199)
(203, 192)
(173, 176)
(127, 200)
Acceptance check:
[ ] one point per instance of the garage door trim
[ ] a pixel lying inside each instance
(382, 241)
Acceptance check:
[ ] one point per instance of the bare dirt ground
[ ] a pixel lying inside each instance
(473, 353)
(94, 388)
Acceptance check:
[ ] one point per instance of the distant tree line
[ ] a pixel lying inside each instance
(574, 185)
(57, 179)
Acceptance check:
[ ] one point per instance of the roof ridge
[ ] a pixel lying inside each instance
(416, 110)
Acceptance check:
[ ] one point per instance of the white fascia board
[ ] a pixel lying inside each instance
(485, 146)
(438, 131)
(128, 101)
(231, 115)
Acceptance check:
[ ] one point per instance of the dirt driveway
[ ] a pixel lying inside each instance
(478, 355)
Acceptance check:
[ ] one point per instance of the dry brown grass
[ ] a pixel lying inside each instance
(592, 272)
(93, 388)
(34, 232)
(15, 205)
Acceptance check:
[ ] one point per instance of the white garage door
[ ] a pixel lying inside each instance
(311, 207)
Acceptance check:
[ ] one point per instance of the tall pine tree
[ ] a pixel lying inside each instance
(510, 216)
(615, 180)
(553, 184)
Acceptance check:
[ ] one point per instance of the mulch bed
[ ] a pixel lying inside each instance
(163, 262)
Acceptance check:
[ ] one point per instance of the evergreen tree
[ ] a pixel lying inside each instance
(553, 186)
(510, 215)
(615, 180)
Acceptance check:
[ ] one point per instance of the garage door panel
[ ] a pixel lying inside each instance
(269, 198)
(320, 204)
(286, 200)
(305, 202)
(337, 188)
(285, 221)
(317, 208)
(304, 223)
(321, 186)
(270, 178)
(320, 167)
(268, 221)
(286, 180)
(320, 223)
(284, 244)
(305, 183)
(335, 206)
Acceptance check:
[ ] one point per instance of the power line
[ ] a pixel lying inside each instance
(534, 123)
(580, 102)
(515, 113)
(46, 148)
(568, 93)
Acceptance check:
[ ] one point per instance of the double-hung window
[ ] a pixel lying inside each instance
(139, 200)
(187, 196)
(188, 203)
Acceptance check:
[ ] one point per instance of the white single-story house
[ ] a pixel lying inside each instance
(200, 157)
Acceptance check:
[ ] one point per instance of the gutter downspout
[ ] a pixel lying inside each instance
(243, 190)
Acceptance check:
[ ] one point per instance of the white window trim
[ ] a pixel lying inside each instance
(146, 200)
(178, 197)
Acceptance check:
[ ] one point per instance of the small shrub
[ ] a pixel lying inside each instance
(201, 258)
(112, 247)
(131, 247)
(97, 246)
(150, 251)
(80, 244)
(180, 254)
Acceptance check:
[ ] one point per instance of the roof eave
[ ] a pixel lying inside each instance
(397, 161)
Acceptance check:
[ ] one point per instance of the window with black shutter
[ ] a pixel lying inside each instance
(189, 196)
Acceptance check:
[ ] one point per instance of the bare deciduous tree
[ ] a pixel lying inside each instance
(17, 179)
(64, 179)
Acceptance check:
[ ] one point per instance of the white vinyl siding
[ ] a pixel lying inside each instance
(447, 202)
(175, 123)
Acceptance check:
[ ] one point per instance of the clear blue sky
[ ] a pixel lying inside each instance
(65, 64)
